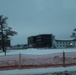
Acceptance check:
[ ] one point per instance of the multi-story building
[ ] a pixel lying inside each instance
(49, 41)
(41, 41)
(65, 43)
(44, 40)
(32, 41)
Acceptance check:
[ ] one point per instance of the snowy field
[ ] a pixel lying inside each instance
(39, 52)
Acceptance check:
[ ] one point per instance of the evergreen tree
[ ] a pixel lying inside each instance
(5, 32)
(74, 33)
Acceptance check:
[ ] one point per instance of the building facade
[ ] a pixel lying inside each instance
(41, 41)
(32, 41)
(49, 41)
(65, 43)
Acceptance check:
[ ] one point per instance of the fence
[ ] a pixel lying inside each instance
(20, 66)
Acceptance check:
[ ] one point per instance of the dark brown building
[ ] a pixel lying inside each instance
(40, 41)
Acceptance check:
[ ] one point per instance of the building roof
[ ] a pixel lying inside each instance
(66, 40)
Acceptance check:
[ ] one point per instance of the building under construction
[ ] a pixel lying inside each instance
(41, 41)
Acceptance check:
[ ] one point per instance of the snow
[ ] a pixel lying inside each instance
(39, 51)
(36, 53)
(37, 71)
(28, 59)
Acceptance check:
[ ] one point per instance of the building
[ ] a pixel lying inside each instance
(49, 41)
(32, 41)
(65, 43)
(41, 41)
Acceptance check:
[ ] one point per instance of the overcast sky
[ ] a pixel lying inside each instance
(34, 17)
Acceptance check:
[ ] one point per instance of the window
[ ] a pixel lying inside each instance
(60, 45)
(57, 45)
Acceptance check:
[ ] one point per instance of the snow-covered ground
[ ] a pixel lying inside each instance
(46, 59)
(37, 71)
(38, 52)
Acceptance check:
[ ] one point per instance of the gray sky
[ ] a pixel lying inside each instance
(34, 17)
